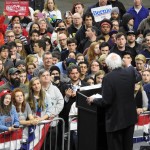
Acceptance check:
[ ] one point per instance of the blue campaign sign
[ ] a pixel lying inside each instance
(101, 13)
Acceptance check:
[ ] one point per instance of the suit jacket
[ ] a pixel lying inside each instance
(118, 99)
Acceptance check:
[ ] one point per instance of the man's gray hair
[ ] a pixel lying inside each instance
(41, 72)
(113, 61)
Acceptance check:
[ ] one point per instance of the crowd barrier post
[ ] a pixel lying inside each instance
(68, 147)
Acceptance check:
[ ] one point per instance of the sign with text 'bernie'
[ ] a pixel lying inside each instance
(16, 7)
(100, 13)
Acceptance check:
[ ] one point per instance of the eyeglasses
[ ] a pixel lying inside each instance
(62, 40)
(94, 65)
(11, 36)
(19, 46)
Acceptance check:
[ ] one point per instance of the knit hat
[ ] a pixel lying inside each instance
(20, 62)
(54, 68)
(70, 61)
(106, 22)
(115, 10)
(131, 32)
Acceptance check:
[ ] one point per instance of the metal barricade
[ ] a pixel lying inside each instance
(9, 140)
(142, 131)
(56, 137)
(69, 131)
(30, 137)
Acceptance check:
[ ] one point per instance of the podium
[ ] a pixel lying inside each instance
(91, 122)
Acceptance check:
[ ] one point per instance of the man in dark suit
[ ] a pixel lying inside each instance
(119, 103)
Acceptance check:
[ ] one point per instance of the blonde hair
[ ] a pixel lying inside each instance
(102, 58)
(36, 12)
(46, 5)
(30, 58)
(31, 96)
(140, 57)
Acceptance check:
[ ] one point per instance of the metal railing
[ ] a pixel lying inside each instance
(20, 138)
(69, 131)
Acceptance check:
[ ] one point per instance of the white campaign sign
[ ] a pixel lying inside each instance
(103, 12)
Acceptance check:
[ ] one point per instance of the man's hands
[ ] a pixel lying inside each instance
(90, 100)
(70, 93)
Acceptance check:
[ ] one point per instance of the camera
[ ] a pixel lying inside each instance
(61, 29)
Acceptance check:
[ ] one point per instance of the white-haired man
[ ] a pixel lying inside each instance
(118, 99)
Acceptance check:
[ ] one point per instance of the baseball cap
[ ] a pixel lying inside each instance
(13, 70)
(4, 92)
(131, 32)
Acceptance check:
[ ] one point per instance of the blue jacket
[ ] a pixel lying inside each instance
(8, 121)
(143, 13)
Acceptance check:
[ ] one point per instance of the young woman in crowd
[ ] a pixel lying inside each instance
(93, 52)
(141, 98)
(20, 49)
(34, 26)
(102, 62)
(32, 59)
(51, 11)
(30, 69)
(99, 77)
(68, 18)
(39, 102)
(24, 77)
(94, 68)
(9, 120)
(80, 58)
(23, 108)
(89, 80)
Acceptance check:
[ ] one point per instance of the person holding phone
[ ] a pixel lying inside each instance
(9, 120)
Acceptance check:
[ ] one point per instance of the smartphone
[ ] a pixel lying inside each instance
(15, 126)
(61, 29)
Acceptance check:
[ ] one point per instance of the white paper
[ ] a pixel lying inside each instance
(103, 12)
(96, 96)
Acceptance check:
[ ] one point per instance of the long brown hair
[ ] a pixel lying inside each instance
(31, 96)
(13, 95)
(23, 51)
(5, 110)
(91, 54)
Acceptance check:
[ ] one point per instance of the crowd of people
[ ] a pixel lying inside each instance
(47, 56)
